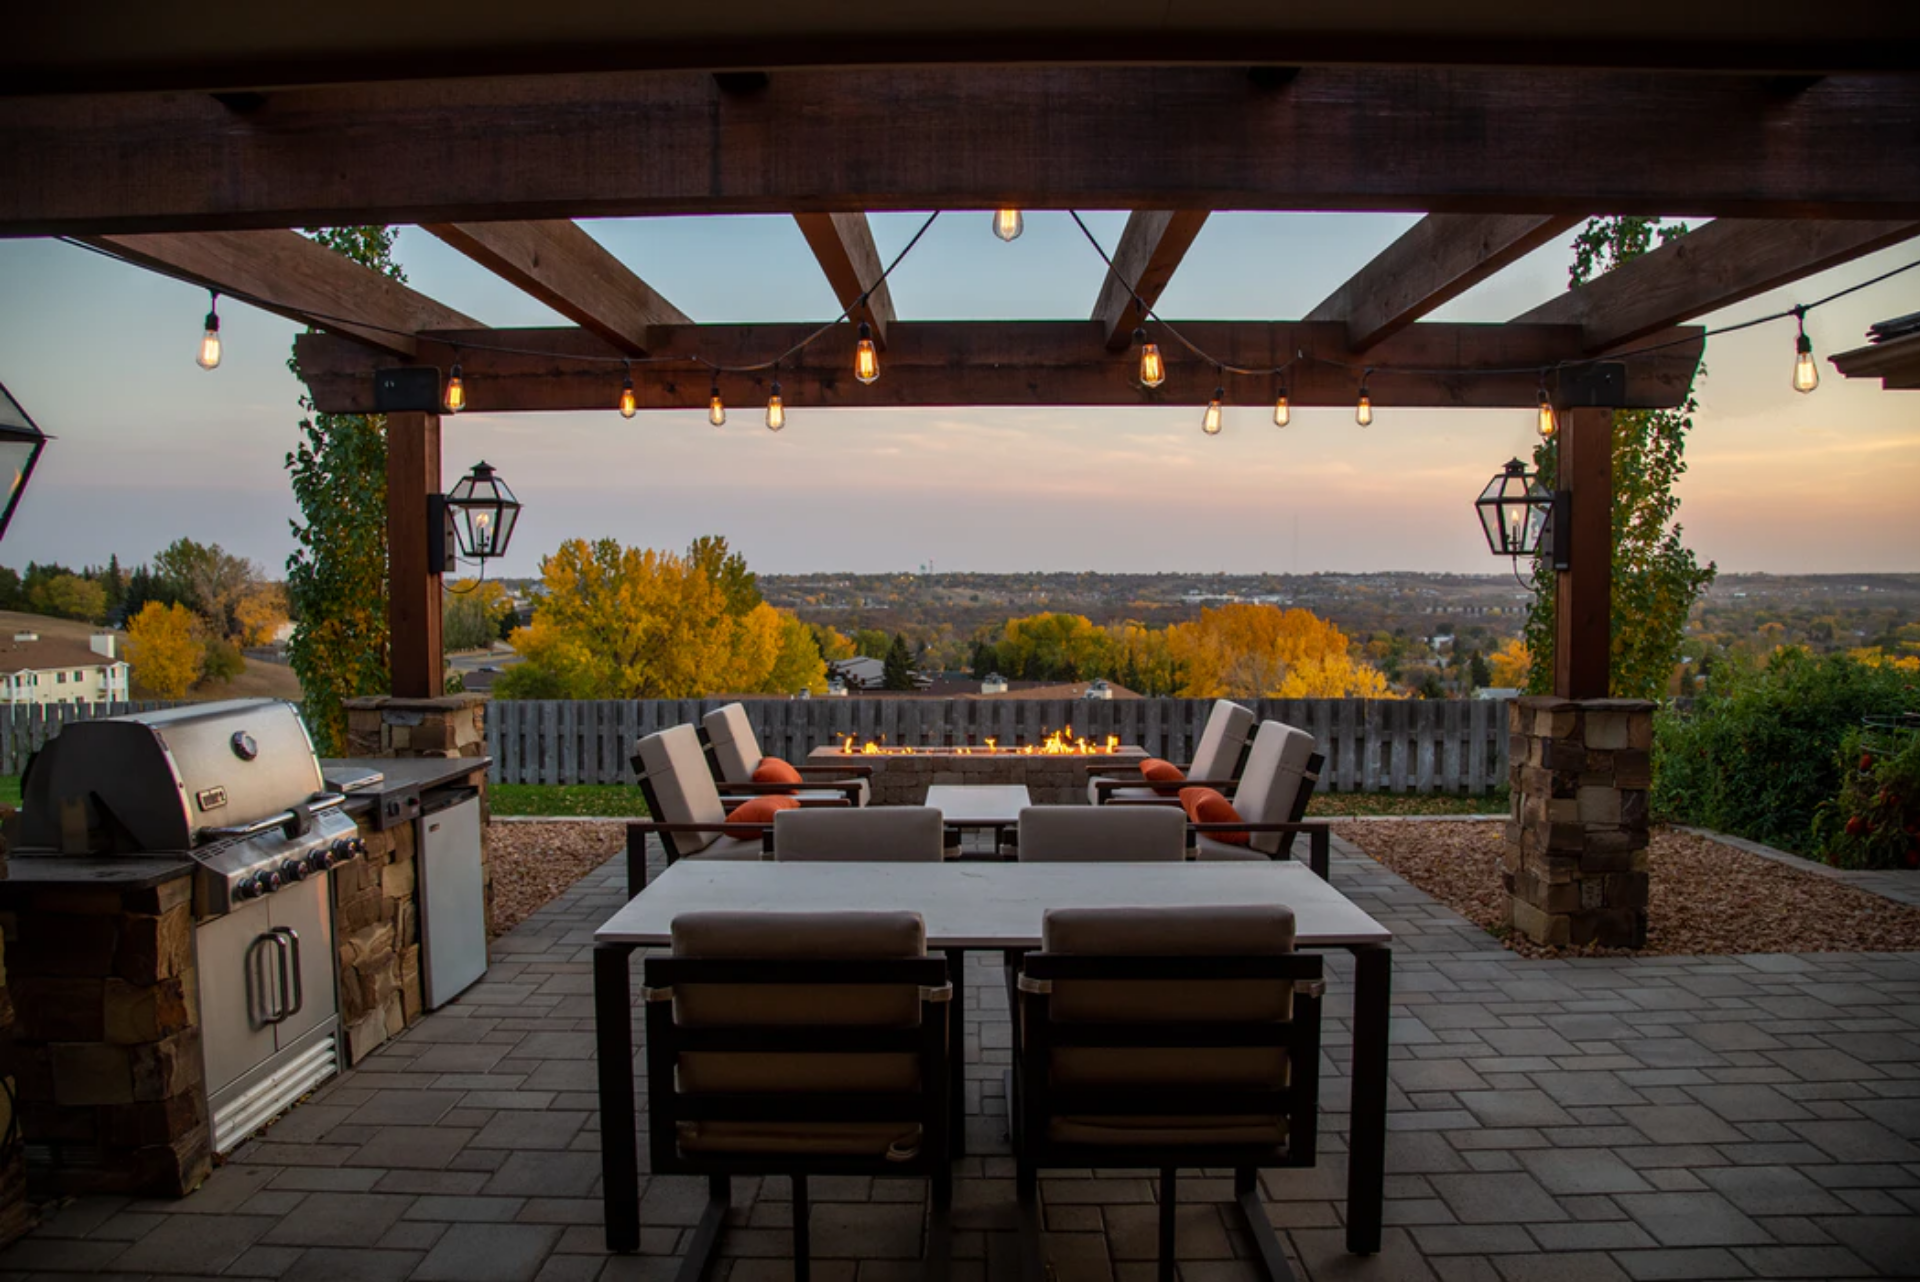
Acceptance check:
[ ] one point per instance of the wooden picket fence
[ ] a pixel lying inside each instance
(25, 728)
(1371, 745)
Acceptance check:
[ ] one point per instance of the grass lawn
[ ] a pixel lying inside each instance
(10, 791)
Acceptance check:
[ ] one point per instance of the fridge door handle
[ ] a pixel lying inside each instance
(296, 998)
(266, 1005)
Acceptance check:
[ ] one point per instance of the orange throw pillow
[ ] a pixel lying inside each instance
(1154, 770)
(774, 770)
(1207, 806)
(760, 810)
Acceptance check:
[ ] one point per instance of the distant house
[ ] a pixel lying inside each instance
(58, 670)
(861, 675)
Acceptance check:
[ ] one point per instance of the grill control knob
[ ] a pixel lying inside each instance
(320, 861)
(293, 870)
(339, 852)
(267, 882)
(245, 889)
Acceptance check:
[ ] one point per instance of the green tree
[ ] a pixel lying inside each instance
(871, 643)
(337, 575)
(1656, 577)
(68, 596)
(207, 579)
(727, 570)
(898, 673)
(1479, 671)
(13, 596)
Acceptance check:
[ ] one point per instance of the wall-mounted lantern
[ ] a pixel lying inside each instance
(20, 446)
(478, 515)
(1520, 516)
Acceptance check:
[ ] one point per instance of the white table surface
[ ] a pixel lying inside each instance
(979, 803)
(986, 905)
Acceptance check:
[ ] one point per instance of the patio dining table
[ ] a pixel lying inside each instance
(996, 906)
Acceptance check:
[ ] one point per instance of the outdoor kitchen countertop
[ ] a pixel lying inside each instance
(395, 799)
(30, 870)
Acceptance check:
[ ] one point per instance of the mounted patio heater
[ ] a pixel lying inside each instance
(1519, 515)
(20, 445)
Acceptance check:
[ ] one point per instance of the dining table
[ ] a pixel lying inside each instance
(998, 907)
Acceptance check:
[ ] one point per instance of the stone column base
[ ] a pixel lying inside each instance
(453, 725)
(1575, 864)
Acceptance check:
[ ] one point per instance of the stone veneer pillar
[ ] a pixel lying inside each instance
(376, 908)
(1575, 864)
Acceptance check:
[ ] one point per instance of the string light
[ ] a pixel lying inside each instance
(1008, 224)
(1210, 421)
(1547, 425)
(1282, 412)
(776, 409)
(628, 402)
(456, 397)
(1806, 375)
(716, 408)
(210, 340)
(1363, 408)
(866, 357)
(1153, 370)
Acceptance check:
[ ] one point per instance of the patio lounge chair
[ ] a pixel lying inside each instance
(1104, 834)
(799, 1044)
(1215, 764)
(1270, 803)
(881, 834)
(728, 735)
(1169, 1039)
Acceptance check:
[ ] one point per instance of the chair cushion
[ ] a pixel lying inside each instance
(774, 770)
(882, 834)
(736, 748)
(1206, 846)
(1122, 794)
(1198, 1129)
(677, 771)
(892, 1141)
(1221, 739)
(760, 810)
(1275, 768)
(1208, 806)
(1157, 771)
(1106, 834)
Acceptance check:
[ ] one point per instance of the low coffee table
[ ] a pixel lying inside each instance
(996, 806)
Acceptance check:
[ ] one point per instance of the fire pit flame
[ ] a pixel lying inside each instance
(1058, 743)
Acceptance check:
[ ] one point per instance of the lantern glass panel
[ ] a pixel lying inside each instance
(20, 445)
(484, 513)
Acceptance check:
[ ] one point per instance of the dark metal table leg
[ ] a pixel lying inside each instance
(619, 1143)
(1367, 1136)
(957, 1050)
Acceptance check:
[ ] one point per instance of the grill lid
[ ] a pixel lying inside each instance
(153, 780)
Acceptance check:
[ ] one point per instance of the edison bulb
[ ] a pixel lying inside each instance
(1806, 375)
(210, 343)
(1547, 425)
(716, 409)
(1363, 410)
(1008, 224)
(1282, 412)
(456, 399)
(866, 357)
(1153, 370)
(628, 403)
(1210, 421)
(776, 411)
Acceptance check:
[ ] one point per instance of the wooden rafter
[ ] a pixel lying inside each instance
(1709, 268)
(292, 276)
(1025, 363)
(1114, 137)
(1151, 247)
(843, 244)
(1896, 363)
(557, 262)
(1437, 259)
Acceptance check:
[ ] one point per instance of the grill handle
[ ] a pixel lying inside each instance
(297, 817)
(294, 998)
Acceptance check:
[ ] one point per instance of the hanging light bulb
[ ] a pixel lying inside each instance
(1282, 412)
(1153, 370)
(628, 402)
(210, 341)
(1548, 424)
(1008, 224)
(776, 409)
(1363, 408)
(456, 398)
(1806, 375)
(716, 408)
(866, 357)
(1210, 421)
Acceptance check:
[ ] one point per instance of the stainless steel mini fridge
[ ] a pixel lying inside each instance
(453, 907)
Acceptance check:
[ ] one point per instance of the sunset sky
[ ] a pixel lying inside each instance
(151, 447)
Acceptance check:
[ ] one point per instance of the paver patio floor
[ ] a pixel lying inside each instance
(1714, 1117)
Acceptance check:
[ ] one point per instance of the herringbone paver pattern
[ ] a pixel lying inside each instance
(1723, 1117)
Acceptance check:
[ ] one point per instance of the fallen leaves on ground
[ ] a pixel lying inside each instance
(533, 863)
(1703, 896)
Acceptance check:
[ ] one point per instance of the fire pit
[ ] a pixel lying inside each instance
(1054, 770)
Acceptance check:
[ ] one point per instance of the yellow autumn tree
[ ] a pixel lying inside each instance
(260, 612)
(1511, 663)
(165, 648)
(1250, 651)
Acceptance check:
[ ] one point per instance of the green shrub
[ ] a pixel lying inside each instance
(1759, 754)
(1875, 821)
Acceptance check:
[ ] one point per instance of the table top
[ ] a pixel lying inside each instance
(979, 803)
(986, 905)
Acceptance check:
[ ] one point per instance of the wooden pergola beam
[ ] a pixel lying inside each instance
(1896, 363)
(1023, 363)
(1709, 268)
(557, 262)
(295, 277)
(843, 244)
(1460, 140)
(1437, 259)
(1150, 250)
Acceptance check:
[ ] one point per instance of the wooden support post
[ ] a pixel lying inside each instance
(416, 660)
(1583, 593)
